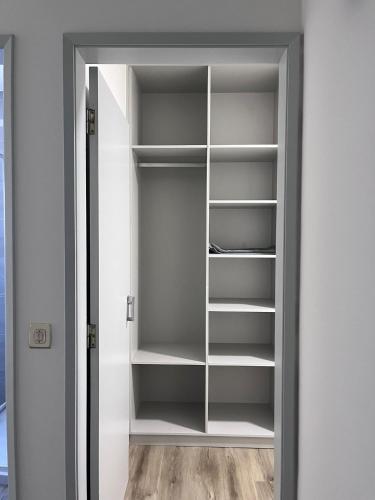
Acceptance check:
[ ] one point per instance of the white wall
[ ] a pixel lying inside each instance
(39, 203)
(337, 438)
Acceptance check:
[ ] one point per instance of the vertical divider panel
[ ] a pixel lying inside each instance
(207, 237)
(133, 111)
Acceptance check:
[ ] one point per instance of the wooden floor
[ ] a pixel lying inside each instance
(187, 473)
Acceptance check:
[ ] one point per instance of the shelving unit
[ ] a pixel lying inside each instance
(203, 347)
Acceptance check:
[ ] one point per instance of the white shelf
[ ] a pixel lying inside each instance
(242, 203)
(171, 165)
(234, 419)
(242, 256)
(241, 305)
(222, 354)
(170, 153)
(243, 153)
(169, 419)
(169, 354)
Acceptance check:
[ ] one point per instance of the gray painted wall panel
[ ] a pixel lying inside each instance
(337, 341)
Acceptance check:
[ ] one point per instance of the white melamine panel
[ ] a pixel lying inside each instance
(134, 106)
(242, 203)
(242, 278)
(242, 256)
(169, 354)
(244, 77)
(236, 228)
(225, 354)
(112, 279)
(172, 255)
(243, 181)
(170, 154)
(239, 384)
(242, 118)
(242, 328)
(254, 420)
(241, 305)
(243, 153)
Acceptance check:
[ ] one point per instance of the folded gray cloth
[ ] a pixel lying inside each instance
(215, 249)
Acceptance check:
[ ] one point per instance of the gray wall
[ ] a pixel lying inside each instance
(337, 438)
(39, 215)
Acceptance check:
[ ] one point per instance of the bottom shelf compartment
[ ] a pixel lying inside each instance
(168, 400)
(240, 419)
(240, 401)
(169, 418)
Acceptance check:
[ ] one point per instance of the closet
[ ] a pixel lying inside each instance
(204, 176)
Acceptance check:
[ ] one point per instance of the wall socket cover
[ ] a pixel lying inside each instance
(40, 335)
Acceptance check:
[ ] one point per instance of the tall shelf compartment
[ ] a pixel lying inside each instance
(204, 171)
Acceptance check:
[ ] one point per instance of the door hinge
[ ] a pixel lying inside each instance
(91, 336)
(90, 121)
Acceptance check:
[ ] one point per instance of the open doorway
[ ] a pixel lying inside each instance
(190, 384)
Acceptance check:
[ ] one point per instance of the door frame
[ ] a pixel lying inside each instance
(7, 44)
(286, 394)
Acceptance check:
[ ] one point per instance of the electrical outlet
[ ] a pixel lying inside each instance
(40, 335)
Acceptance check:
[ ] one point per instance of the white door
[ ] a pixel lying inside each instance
(109, 276)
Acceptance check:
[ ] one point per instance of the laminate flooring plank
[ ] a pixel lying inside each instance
(199, 473)
(171, 477)
(264, 490)
(146, 463)
(242, 471)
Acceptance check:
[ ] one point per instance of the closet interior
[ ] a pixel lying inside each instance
(204, 143)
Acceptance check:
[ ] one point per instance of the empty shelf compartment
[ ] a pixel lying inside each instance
(241, 227)
(169, 104)
(168, 399)
(253, 420)
(241, 328)
(251, 116)
(169, 419)
(242, 278)
(240, 401)
(242, 180)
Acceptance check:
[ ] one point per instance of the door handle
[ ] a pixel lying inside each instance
(130, 308)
